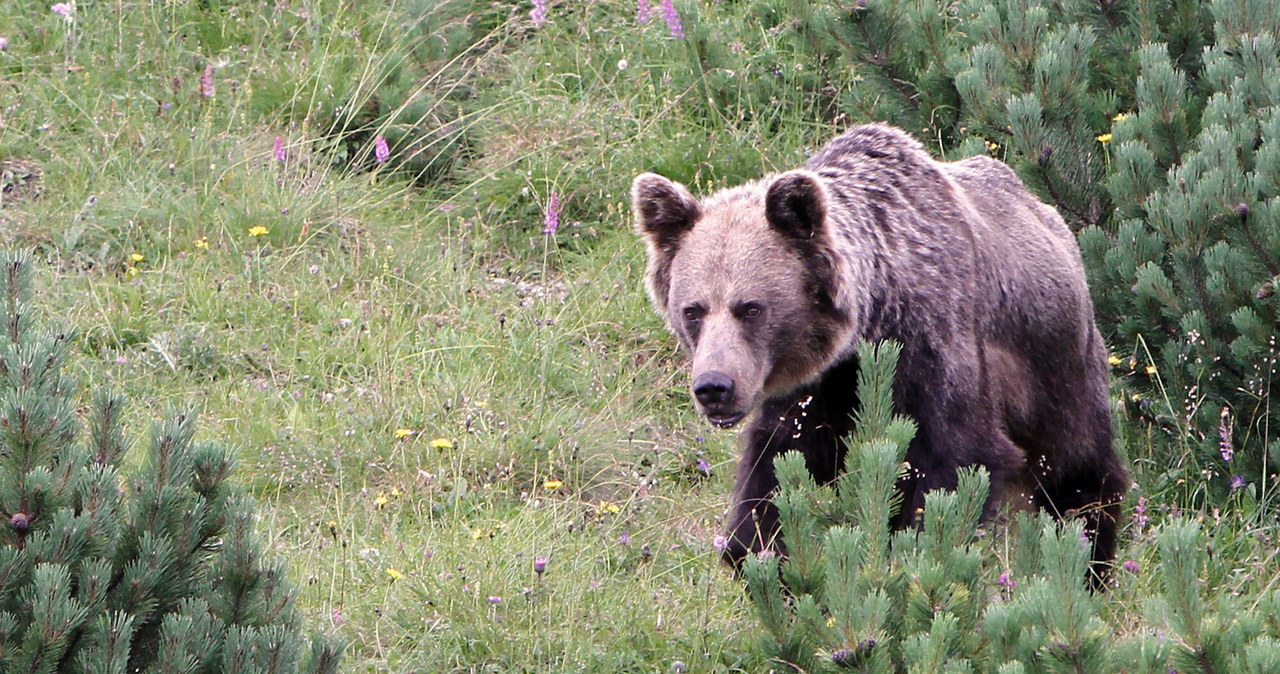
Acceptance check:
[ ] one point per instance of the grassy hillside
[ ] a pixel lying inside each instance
(428, 391)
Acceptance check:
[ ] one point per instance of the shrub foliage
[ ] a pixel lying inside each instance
(158, 571)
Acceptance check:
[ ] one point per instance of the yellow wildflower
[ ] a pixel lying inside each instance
(138, 257)
(476, 534)
(831, 622)
(395, 492)
(132, 270)
(1151, 370)
(992, 146)
(394, 573)
(333, 529)
(381, 500)
(258, 230)
(552, 484)
(403, 432)
(202, 243)
(611, 508)
(1120, 117)
(442, 443)
(1114, 361)
(1104, 138)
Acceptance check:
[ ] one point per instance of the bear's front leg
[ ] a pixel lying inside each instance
(814, 421)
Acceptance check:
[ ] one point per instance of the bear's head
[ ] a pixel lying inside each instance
(747, 280)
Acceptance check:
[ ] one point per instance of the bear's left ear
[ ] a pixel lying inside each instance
(796, 204)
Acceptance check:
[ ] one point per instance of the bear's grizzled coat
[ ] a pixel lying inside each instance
(771, 285)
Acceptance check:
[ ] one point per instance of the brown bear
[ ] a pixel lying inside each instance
(771, 285)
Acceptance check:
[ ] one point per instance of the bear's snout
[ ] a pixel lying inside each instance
(714, 392)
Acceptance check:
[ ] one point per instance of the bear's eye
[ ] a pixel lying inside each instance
(693, 313)
(747, 310)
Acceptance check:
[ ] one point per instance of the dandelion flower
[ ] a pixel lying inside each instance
(381, 152)
(1120, 117)
(1104, 138)
(402, 433)
(1114, 361)
(1151, 370)
(552, 484)
(394, 573)
(258, 230)
(831, 622)
(381, 501)
(202, 243)
(442, 443)
(611, 508)
(137, 257)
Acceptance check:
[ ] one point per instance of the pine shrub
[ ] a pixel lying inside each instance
(962, 595)
(102, 572)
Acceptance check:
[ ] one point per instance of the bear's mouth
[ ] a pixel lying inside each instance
(725, 420)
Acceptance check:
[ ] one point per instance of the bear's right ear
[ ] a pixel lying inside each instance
(796, 204)
(664, 210)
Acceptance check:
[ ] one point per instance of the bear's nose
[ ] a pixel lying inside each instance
(713, 388)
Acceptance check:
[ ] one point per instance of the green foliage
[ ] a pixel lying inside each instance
(852, 596)
(160, 572)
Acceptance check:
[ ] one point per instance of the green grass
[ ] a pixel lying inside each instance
(420, 295)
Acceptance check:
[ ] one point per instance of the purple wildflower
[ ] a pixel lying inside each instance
(704, 466)
(551, 221)
(1006, 581)
(4, 43)
(278, 149)
(673, 19)
(61, 9)
(380, 150)
(1131, 566)
(495, 599)
(540, 564)
(720, 543)
(642, 11)
(539, 12)
(1224, 435)
(624, 538)
(206, 81)
(1140, 518)
(765, 555)
(1237, 482)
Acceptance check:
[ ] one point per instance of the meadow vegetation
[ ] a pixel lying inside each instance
(385, 250)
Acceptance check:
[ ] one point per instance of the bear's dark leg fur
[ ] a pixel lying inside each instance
(815, 421)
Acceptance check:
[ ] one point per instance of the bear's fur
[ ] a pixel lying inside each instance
(771, 285)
